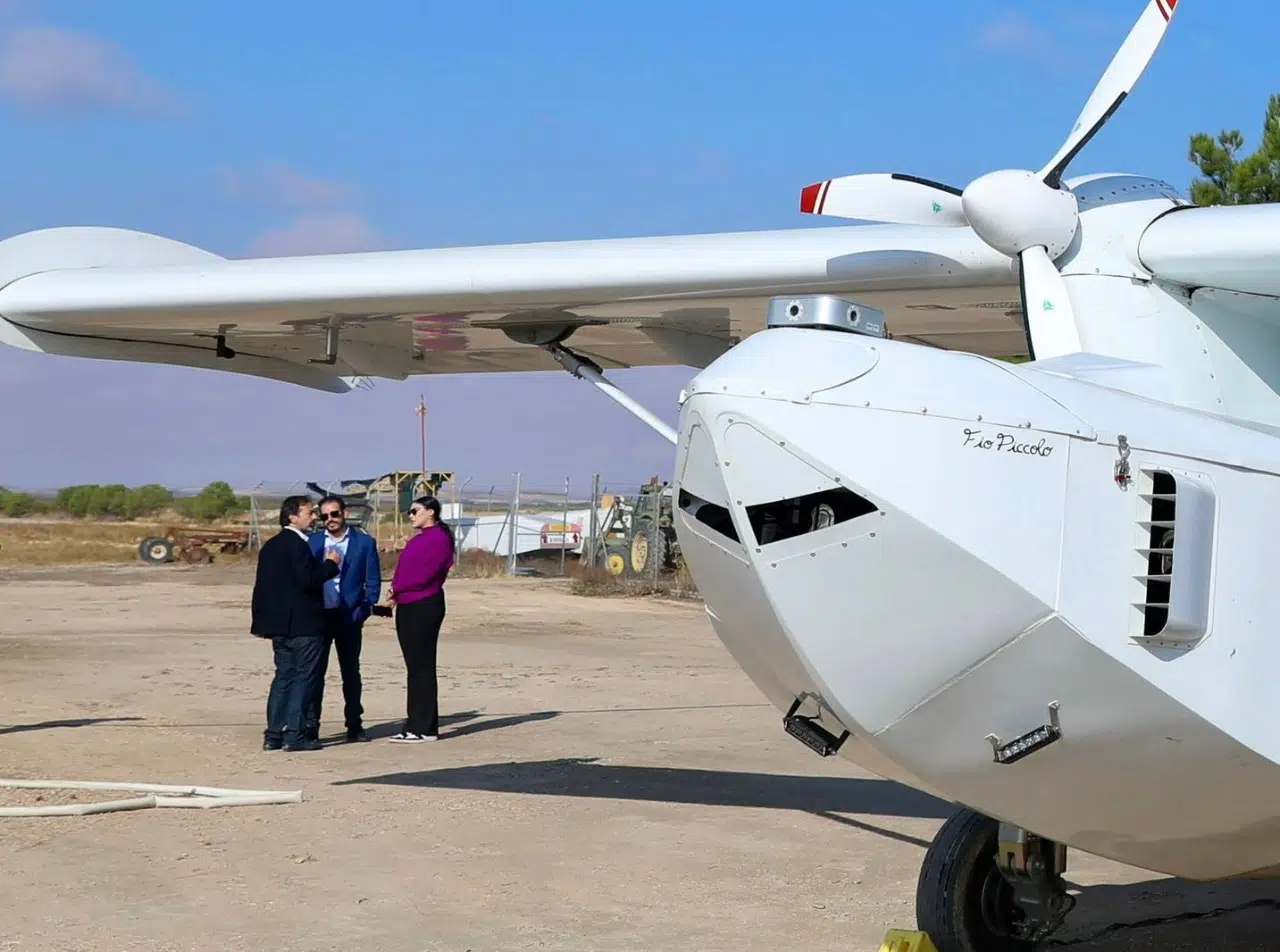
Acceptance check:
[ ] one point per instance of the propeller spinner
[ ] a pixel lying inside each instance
(1025, 215)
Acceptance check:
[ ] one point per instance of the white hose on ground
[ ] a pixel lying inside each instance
(158, 795)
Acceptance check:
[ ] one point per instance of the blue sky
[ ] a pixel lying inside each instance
(254, 128)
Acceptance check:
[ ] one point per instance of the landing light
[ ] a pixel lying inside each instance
(1026, 745)
(817, 738)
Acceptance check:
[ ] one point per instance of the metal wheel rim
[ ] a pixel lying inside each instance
(995, 903)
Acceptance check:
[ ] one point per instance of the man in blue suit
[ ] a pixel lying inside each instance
(348, 601)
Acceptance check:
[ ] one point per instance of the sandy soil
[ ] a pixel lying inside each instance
(608, 780)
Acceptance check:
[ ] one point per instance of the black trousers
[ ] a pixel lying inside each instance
(296, 659)
(418, 629)
(343, 634)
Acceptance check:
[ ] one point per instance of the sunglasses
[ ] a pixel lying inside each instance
(414, 511)
(331, 515)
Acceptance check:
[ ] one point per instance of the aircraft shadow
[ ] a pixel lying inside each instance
(69, 722)
(1173, 915)
(586, 777)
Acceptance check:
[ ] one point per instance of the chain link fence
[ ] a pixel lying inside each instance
(609, 534)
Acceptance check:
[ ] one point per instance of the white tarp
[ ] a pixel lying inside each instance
(534, 532)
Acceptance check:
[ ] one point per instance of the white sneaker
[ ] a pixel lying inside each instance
(408, 737)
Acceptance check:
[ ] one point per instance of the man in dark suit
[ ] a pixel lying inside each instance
(288, 608)
(348, 602)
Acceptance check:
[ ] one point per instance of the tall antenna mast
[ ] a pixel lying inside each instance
(421, 410)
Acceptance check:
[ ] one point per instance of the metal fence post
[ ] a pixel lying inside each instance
(657, 533)
(564, 528)
(514, 530)
(593, 521)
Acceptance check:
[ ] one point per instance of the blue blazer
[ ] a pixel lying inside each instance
(360, 578)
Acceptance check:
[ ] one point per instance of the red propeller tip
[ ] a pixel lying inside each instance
(809, 197)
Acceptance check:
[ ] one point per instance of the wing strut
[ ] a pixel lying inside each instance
(586, 369)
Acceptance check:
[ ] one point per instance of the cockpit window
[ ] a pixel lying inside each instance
(716, 518)
(788, 518)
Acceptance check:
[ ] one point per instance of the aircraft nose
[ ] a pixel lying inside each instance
(712, 545)
(850, 549)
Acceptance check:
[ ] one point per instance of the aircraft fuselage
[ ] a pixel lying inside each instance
(940, 553)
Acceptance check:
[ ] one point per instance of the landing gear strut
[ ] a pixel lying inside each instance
(986, 886)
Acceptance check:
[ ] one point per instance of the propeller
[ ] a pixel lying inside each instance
(1026, 215)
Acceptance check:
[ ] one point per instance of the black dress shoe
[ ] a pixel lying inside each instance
(358, 736)
(304, 744)
(272, 744)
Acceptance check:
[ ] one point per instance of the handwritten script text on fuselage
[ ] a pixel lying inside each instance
(1005, 443)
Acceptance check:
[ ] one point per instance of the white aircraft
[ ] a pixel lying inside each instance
(1038, 591)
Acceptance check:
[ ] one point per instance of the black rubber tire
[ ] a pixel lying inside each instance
(958, 867)
(155, 550)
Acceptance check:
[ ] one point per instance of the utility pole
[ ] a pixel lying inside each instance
(421, 410)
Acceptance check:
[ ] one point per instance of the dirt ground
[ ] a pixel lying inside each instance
(607, 779)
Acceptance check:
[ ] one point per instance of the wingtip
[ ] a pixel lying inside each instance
(809, 198)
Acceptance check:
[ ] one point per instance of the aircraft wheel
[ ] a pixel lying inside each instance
(963, 902)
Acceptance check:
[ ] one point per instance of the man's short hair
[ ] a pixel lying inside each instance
(289, 508)
(342, 503)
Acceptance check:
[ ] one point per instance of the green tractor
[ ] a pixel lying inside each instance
(648, 546)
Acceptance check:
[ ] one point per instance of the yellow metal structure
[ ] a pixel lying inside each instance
(389, 496)
(900, 940)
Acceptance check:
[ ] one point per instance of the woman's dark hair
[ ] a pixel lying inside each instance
(432, 505)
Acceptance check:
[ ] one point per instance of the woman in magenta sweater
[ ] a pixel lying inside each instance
(417, 592)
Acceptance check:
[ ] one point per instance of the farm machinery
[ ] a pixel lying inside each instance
(638, 534)
(192, 546)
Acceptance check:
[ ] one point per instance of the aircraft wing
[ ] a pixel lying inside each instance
(123, 295)
(1229, 248)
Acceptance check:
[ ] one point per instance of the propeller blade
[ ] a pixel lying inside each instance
(1126, 68)
(879, 196)
(1046, 308)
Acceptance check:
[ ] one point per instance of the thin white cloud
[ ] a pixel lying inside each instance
(1016, 35)
(320, 234)
(274, 183)
(44, 67)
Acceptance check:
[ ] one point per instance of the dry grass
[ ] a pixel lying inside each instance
(27, 542)
(596, 582)
(48, 542)
(477, 563)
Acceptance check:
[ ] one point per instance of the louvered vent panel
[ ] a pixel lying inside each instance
(1173, 558)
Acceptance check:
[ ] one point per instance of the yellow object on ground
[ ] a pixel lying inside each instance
(900, 940)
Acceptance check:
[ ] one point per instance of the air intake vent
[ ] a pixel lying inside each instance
(1174, 558)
